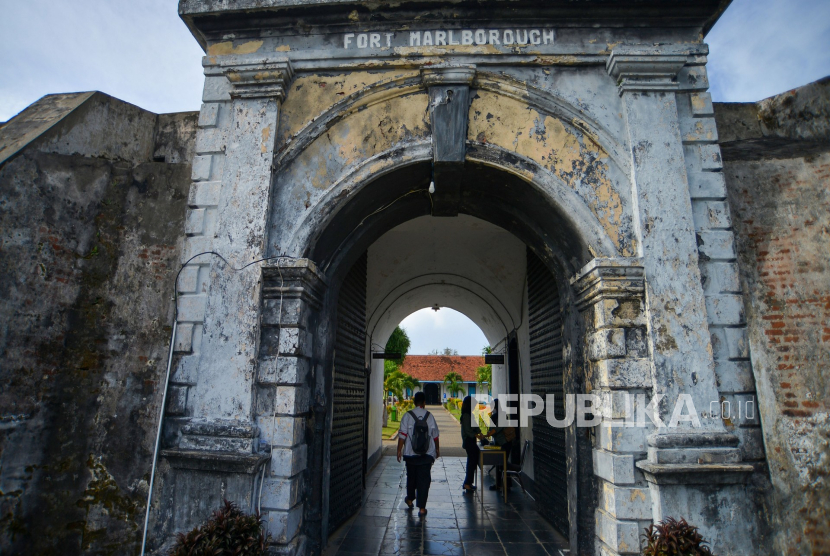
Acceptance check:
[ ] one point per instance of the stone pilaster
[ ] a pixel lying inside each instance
(678, 331)
(676, 309)
(610, 294)
(219, 309)
(292, 294)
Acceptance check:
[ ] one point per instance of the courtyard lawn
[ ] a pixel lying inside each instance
(456, 413)
(390, 429)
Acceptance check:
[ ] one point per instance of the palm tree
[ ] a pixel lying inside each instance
(392, 382)
(408, 382)
(454, 383)
(398, 382)
(484, 374)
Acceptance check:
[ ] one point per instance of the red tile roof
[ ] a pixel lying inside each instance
(436, 367)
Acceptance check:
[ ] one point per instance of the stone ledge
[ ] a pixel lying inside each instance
(215, 462)
(448, 75)
(695, 474)
(294, 279)
(220, 427)
(608, 278)
(693, 439)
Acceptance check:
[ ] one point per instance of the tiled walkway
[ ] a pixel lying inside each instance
(455, 525)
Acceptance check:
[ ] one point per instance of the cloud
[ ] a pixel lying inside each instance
(429, 330)
(140, 52)
(760, 48)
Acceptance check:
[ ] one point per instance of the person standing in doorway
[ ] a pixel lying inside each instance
(470, 433)
(418, 445)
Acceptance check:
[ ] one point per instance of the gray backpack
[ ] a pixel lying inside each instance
(420, 434)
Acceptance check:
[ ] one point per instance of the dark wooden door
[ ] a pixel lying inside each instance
(431, 391)
(550, 467)
(348, 431)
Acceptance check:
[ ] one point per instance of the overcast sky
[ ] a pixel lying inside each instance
(141, 52)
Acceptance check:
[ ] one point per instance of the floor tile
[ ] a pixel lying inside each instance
(371, 521)
(402, 547)
(483, 549)
(524, 549)
(365, 532)
(443, 548)
(516, 536)
(376, 512)
(474, 523)
(509, 525)
(442, 523)
(478, 535)
(456, 524)
(361, 544)
(555, 549)
(403, 533)
(551, 537)
(442, 535)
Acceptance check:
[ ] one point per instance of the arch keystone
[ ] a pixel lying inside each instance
(449, 105)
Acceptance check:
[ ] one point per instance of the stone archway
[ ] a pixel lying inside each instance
(598, 156)
(406, 295)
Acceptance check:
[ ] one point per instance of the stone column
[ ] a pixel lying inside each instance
(683, 463)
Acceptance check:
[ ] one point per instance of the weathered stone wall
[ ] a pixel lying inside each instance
(91, 239)
(777, 169)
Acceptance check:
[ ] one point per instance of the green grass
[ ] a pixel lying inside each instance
(456, 413)
(391, 429)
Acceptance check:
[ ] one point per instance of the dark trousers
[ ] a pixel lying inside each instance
(473, 451)
(499, 470)
(418, 479)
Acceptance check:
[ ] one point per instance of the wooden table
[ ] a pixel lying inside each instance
(493, 457)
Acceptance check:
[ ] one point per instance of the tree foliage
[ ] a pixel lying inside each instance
(395, 380)
(454, 383)
(484, 374)
(398, 342)
(398, 382)
(446, 352)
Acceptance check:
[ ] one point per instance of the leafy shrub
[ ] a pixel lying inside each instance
(404, 406)
(229, 531)
(674, 538)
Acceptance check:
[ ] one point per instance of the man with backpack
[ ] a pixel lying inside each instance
(418, 445)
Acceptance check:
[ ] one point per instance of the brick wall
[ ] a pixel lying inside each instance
(781, 216)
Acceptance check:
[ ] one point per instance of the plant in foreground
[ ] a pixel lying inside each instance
(674, 538)
(229, 531)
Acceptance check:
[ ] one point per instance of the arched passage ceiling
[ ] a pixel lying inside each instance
(463, 263)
